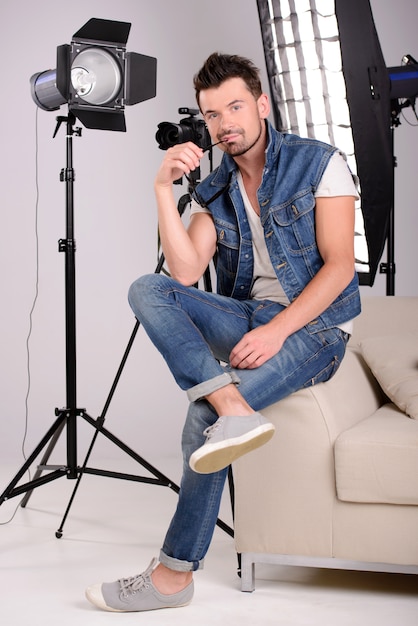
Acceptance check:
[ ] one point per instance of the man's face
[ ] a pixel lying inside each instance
(234, 116)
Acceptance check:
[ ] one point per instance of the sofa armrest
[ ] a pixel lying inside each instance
(350, 396)
(285, 491)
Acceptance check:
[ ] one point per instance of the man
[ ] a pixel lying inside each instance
(279, 214)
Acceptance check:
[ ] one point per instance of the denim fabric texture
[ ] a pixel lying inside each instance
(195, 331)
(293, 170)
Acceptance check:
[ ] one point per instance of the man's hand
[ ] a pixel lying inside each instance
(178, 161)
(256, 347)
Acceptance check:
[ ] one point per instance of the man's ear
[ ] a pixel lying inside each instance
(263, 104)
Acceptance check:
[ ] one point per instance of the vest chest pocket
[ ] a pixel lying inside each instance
(227, 255)
(294, 223)
(227, 236)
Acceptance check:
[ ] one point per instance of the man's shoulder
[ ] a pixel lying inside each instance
(297, 142)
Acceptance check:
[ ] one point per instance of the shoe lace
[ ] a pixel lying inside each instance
(211, 430)
(136, 583)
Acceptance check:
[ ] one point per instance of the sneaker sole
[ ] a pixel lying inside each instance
(95, 597)
(215, 457)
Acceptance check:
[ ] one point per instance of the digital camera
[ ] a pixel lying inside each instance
(189, 128)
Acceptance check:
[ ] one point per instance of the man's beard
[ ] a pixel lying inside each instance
(238, 149)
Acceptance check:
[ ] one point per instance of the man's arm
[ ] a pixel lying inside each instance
(334, 219)
(187, 251)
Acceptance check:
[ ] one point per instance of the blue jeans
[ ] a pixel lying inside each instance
(195, 332)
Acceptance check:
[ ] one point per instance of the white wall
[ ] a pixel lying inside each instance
(115, 224)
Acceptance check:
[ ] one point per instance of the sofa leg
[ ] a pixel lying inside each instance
(247, 573)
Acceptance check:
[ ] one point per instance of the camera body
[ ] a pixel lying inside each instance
(189, 128)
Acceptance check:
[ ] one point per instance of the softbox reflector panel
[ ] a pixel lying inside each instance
(368, 94)
(100, 119)
(140, 78)
(64, 70)
(103, 31)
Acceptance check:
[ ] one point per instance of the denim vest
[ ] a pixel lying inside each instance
(293, 169)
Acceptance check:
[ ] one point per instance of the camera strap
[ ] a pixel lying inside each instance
(206, 203)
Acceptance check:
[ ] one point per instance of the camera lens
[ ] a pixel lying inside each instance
(189, 129)
(168, 135)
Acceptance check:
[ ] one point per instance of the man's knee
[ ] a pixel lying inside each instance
(143, 287)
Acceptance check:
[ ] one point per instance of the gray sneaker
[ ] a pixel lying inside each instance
(228, 439)
(136, 593)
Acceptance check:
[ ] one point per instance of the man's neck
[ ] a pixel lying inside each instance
(252, 168)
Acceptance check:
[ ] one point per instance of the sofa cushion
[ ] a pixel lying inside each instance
(377, 459)
(393, 359)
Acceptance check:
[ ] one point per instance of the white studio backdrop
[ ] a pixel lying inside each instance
(115, 221)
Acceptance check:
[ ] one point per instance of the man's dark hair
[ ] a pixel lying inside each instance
(220, 67)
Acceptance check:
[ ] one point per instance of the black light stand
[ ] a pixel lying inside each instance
(389, 268)
(67, 416)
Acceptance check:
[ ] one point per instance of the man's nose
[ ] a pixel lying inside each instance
(226, 121)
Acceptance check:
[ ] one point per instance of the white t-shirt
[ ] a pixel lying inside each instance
(337, 180)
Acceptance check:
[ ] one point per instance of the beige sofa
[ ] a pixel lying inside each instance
(337, 486)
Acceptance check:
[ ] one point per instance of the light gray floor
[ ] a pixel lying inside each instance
(116, 527)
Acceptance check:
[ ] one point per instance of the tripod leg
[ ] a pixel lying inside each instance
(9, 491)
(44, 461)
(100, 421)
(59, 532)
(58, 432)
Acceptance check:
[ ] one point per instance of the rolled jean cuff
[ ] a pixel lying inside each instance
(209, 386)
(180, 566)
